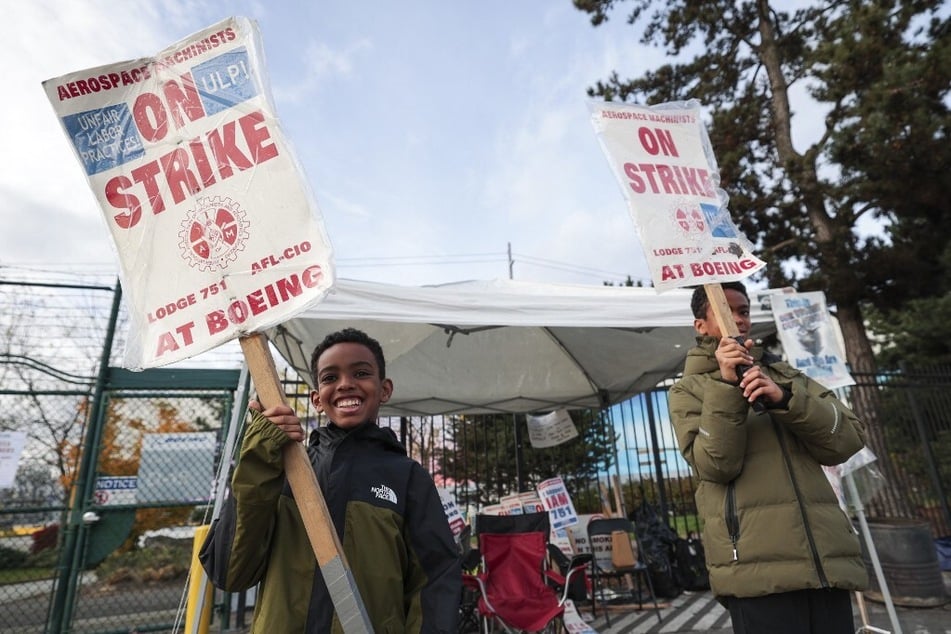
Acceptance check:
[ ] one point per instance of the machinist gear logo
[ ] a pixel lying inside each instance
(690, 221)
(213, 233)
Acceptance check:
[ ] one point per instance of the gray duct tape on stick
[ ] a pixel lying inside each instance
(343, 590)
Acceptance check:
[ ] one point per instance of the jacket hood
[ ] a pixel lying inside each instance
(368, 431)
(701, 359)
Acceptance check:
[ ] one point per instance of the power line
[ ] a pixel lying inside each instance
(566, 266)
(437, 257)
(105, 271)
(364, 264)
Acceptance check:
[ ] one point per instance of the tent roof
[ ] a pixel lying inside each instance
(507, 346)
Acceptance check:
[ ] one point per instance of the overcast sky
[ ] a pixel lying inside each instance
(434, 134)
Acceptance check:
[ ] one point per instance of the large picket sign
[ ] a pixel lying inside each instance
(662, 157)
(217, 232)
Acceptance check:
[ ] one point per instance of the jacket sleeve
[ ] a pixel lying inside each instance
(709, 418)
(436, 584)
(828, 430)
(235, 553)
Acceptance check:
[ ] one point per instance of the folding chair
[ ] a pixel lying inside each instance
(469, 606)
(604, 569)
(512, 587)
(579, 588)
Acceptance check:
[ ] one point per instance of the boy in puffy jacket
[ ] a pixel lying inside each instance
(781, 553)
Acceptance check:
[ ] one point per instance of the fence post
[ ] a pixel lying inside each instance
(519, 455)
(925, 445)
(70, 559)
(655, 448)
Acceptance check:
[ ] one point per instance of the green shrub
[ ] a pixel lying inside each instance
(46, 558)
(166, 561)
(11, 558)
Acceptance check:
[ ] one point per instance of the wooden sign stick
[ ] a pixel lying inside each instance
(606, 509)
(310, 501)
(721, 310)
(724, 318)
(618, 498)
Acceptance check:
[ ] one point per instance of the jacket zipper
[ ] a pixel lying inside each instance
(802, 511)
(732, 521)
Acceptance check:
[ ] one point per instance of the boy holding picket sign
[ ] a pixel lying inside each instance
(191, 169)
(781, 554)
(396, 535)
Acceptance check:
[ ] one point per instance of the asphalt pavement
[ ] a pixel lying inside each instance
(689, 613)
(693, 612)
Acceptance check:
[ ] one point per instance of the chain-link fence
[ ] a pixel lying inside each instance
(117, 558)
(117, 467)
(114, 468)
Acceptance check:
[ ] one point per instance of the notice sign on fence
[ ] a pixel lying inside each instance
(115, 490)
(217, 232)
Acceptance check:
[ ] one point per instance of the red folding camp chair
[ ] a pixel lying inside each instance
(513, 593)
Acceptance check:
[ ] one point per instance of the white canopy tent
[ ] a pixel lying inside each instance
(507, 346)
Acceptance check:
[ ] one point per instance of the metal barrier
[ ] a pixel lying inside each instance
(117, 558)
(91, 533)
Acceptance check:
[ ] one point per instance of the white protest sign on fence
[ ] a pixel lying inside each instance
(491, 509)
(11, 446)
(217, 232)
(663, 160)
(551, 429)
(511, 505)
(554, 495)
(456, 523)
(579, 532)
(530, 501)
(806, 331)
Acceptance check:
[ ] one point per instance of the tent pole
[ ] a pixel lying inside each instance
(519, 455)
(873, 553)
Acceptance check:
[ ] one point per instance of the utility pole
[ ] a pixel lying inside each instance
(511, 261)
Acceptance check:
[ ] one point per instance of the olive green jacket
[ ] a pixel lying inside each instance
(771, 521)
(388, 516)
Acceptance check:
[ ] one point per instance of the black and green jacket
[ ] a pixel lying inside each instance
(388, 516)
(771, 520)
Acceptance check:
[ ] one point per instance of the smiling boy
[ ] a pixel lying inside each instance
(384, 505)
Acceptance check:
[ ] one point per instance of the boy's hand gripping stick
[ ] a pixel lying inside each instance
(723, 314)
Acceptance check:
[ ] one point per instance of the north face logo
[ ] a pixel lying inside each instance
(384, 492)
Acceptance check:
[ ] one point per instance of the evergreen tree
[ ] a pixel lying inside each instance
(878, 72)
(485, 451)
(920, 334)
